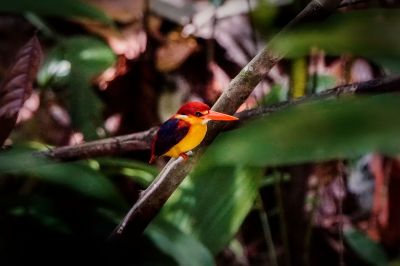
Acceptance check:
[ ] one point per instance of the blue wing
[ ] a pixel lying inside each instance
(169, 134)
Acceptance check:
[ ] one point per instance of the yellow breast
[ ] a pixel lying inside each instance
(195, 135)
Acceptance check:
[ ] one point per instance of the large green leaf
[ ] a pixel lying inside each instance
(140, 172)
(185, 249)
(170, 240)
(167, 241)
(38, 207)
(314, 131)
(79, 177)
(368, 250)
(370, 33)
(73, 63)
(60, 8)
(212, 203)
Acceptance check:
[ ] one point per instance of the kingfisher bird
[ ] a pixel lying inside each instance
(184, 131)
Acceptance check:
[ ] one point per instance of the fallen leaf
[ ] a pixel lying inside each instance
(17, 85)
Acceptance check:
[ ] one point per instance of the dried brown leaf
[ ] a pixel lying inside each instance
(17, 85)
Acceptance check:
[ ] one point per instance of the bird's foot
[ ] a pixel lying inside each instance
(184, 156)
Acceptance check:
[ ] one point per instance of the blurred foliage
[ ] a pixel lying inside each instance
(62, 8)
(184, 248)
(369, 250)
(141, 173)
(72, 64)
(85, 180)
(276, 95)
(323, 82)
(316, 131)
(371, 33)
(214, 223)
(264, 16)
(64, 211)
(80, 177)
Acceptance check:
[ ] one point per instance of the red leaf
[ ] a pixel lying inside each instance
(17, 85)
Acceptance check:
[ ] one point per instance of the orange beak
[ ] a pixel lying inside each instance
(212, 115)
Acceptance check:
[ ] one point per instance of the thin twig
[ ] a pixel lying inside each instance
(352, 3)
(282, 220)
(147, 207)
(341, 217)
(267, 232)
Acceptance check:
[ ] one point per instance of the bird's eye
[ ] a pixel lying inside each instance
(198, 114)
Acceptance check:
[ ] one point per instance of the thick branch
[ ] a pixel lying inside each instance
(154, 197)
(142, 140)
(103, 147)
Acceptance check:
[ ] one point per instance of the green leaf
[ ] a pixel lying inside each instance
(315, 131)
(372, 33)
(212, 203)
(185, 249)
(142, 173)
(367, 249)
(79, 177)
(391, 64)
(60, 8)
(42, 209)
(276, 94)
(264, 15)
(395, 262)
(73, 63)
(321, 83)
(170, 240)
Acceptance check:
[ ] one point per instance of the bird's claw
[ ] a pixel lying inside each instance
(184, 156)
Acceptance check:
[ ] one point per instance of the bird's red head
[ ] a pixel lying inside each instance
(193, 108)
(202, 111)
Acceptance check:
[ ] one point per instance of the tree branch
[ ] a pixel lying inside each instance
(154, 197)
(142, 140)
(374, 86)
(103, 147)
